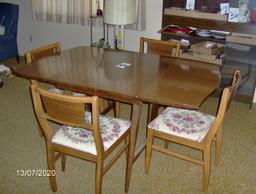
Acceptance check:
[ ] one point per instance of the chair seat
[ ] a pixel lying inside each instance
(82, 139)
(189, 124)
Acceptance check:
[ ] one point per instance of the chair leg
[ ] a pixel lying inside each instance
(98, 177)
(63, 162)
(218, 145)
(127, 139)
(51, 167)
(148, 150)
(206, 168)
(127, 166)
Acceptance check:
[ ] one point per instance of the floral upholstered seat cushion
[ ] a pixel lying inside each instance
(189, 124)
(83, 140)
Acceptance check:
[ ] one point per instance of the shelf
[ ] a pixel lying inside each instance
(241, 40)
(181, 35)
(195, 14)
(192, 38)
(243, 61)
(248, 28)
(190, 56)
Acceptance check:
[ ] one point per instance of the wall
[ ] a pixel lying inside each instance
(33, 34)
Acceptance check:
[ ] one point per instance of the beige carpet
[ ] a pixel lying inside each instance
(22, 148)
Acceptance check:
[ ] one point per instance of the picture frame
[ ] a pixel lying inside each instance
(190, 5)
(224, 8)
(233, 14)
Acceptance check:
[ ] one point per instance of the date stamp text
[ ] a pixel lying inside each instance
(34, 172)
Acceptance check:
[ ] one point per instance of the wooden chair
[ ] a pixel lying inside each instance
(193, 129)
(86, 135)
(55, 49)
(45, 51)
(39, 53)
(161, 47)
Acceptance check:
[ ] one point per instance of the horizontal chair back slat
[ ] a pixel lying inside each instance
(42, 52)
(66, 109)
(160, 47)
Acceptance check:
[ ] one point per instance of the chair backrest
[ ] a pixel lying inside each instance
(161, 47)
(9, 14)
(226, 99)
(48, 50)
(65, 110)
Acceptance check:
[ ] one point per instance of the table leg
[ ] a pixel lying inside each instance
(152, 113)
(136, 112)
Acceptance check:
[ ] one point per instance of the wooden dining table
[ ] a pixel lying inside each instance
(144, 78)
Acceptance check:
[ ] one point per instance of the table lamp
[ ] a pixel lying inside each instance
(119, 13)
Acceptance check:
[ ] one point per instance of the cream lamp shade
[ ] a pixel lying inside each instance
(119, 12)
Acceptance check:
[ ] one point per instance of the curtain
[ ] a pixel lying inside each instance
(141, 16)
(62, 11)
(78, 12)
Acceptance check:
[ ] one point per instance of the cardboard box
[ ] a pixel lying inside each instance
(195, 14)
(207, 48)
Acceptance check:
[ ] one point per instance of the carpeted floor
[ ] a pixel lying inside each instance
(21, 148)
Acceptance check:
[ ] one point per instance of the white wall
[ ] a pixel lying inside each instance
(74, 35)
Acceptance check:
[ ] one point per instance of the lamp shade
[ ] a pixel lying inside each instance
(119, 12)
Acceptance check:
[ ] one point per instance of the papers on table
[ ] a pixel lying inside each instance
(123, 65)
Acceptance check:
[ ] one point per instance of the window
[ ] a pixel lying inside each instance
(62, 11)
(78, 11)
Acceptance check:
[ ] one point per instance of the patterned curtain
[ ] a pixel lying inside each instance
(78, 12)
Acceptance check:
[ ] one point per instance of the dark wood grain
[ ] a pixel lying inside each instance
(150, 78)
